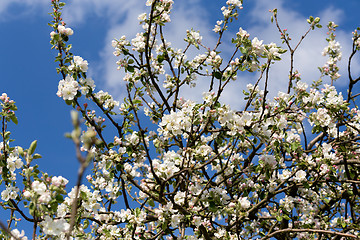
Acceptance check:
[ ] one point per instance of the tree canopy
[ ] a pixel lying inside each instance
(166, 167)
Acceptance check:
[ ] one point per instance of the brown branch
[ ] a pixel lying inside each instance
(148, 62)
(292, 50)
(83, 164)
(21, 212)
(310, 230)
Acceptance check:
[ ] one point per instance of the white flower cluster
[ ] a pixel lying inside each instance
(217, 27)
(357, 42)
(119, 45)
(333, 50)
(268, 160)
(236, 3)
(55, 227)
(138, 42)
(87, 84)
(333, 98)
(244, 202)
(78, 64)
(273, 51)
(162, 9)
(321, 117)
(234, 121)
(218, 193)
(228, 11)
(193, 37)
(170, 164)
(315, 97)
(18, 235)
(41, 190)
(257, 46)
(10, 192)
(13, 162)
(356, 39)
(328, 96)
(68, 88)
(177, 123)
(64, 30)
(214, 59)
(89, 202)
(106, 99)
(242, 33)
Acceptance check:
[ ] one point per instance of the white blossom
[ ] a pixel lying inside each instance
(55, 227)
(244, 202)
(10, 192)
(68, 88)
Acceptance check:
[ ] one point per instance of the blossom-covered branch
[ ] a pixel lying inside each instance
(167, 167)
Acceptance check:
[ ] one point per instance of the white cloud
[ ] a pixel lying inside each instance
(307, 58)
(122, 17)
(184, 16)
(77, 11)
(23, 8)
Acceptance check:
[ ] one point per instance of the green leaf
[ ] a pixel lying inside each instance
(286, 217)
(7, 135)
(21, 151)
(14, 119)
(217, 75)
(151, 203)
(86, 223)
(83, 195)
(160, 58)
(130, 68)
(343, 224)
(59, 198)
(32, 147)
(68, 102)
(36, 156)
(54, 206)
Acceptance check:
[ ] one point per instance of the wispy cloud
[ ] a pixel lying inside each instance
(77, 11)
(308, 56)
(23, 8)
(122, 17)
(185, 15)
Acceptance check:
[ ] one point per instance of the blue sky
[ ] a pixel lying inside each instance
(29, 77)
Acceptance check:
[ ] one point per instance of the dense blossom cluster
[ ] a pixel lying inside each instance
(68, 88)
(333, 51)
(284, 167)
